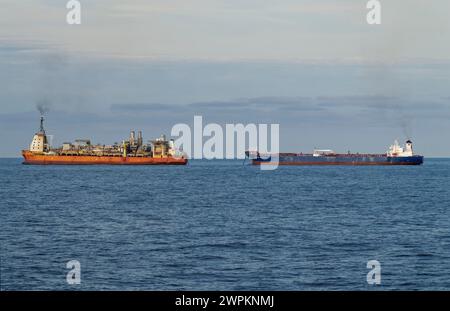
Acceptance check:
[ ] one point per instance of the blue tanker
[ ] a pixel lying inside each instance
(396, 155)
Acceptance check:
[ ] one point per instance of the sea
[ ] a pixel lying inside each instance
(225, 225)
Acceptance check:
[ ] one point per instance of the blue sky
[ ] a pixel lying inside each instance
(315, 67)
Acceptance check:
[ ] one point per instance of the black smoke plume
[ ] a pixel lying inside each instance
(43, 107)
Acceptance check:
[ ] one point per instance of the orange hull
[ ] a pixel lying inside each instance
(32, 158)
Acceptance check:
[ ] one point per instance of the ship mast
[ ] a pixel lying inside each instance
(41, 128)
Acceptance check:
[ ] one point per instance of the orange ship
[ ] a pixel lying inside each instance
(82, 152)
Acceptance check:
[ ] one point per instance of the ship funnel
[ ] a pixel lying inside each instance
(408, 147)
(132, 137)
(41, 128)
(139, 140)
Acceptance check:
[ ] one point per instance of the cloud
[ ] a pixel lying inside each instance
(247, 105)
(140, 107)
(235, 30)
(371, 107)
(12, 48)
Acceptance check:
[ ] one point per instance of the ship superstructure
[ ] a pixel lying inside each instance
(39, 142)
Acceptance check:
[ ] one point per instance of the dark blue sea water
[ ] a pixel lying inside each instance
(219, 225)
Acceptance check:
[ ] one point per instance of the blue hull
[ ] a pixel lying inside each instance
(292, 159)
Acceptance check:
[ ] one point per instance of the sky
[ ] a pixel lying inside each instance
(315, 67)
